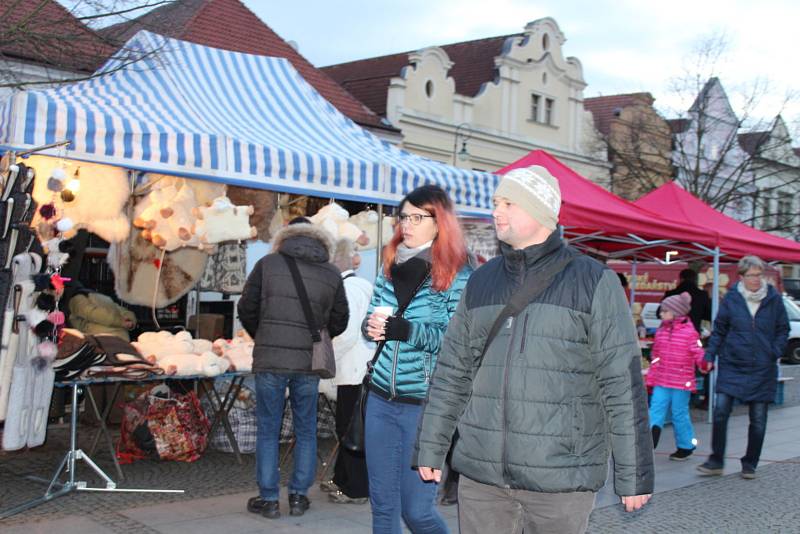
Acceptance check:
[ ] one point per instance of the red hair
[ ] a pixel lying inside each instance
(448, 251)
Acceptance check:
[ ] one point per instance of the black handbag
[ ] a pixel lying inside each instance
(353, 438)
(323, 361)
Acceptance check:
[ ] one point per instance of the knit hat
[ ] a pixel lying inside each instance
(536, 191)
(678, 304)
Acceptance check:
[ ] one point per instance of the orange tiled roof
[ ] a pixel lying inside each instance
(607, 108)
(229, 25)
(44, 32)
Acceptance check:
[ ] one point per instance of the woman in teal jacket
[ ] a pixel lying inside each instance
(425, 269)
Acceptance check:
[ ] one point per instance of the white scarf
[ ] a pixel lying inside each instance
(404, 253)
(753, 298)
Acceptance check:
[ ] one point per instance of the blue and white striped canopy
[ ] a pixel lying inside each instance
(235, 118)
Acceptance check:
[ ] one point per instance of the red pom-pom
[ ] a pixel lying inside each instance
(157, 263)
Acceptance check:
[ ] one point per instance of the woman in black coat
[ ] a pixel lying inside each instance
(749, 337)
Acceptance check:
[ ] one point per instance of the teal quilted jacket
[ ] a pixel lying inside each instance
(404, 368)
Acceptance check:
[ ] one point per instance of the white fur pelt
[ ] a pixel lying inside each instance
(135, 266)
(99, 204)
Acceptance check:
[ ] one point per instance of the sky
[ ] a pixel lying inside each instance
(624, 45)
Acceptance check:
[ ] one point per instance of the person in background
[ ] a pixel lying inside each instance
(749, 337)
(676, 351)
(701, 302)
(425, 268)
(271, 312)
(350, 484)
(94, 313)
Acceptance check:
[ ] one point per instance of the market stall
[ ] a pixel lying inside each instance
(144, 156)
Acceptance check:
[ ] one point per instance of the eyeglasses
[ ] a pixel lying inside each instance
(753, 276)
(413, 218)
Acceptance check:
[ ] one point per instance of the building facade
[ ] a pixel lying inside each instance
(638, 140)
(486, 103)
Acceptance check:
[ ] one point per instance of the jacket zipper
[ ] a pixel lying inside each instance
(524, 334)
(394, 370)
(506, 476)
(426, 367)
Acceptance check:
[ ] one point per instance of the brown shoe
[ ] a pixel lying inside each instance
(340, 498)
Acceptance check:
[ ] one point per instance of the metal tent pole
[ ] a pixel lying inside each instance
(714, 310)
(633, 282)
(55, 488)
(379, 244)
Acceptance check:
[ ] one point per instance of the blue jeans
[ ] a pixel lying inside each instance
(755, 433)
(664, 400)
(270, 402)
(395, 489)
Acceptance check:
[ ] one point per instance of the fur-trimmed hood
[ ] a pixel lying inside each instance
(306, 242)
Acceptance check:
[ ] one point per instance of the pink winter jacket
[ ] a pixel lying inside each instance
(676, 351)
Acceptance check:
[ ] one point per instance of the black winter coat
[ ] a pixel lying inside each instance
(270, 309)
(748, 348)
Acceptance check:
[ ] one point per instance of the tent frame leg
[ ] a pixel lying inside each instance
(55, 488)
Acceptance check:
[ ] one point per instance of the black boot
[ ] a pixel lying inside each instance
(681, 454)
(656, 434)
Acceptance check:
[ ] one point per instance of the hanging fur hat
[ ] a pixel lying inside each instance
(46, 355)
(42, 282)
(46, 302)
(66, 246)
(44, 329)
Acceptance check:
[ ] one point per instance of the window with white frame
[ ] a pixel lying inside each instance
(783, 217)
(536, 102)
(766, 212)
(549, 111)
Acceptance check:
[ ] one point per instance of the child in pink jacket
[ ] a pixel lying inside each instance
(676, 351)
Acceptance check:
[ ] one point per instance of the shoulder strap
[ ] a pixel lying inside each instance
(301, 292)
(400, 313)
(523, 297)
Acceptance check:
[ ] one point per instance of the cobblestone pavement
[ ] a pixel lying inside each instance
(212, 475)
(217, 487)
(728, 504)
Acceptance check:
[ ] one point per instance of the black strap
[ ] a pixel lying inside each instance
(301, 292)
(523, 297)
(348, 275)
(400, 312)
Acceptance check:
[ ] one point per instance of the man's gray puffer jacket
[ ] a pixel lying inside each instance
(559, 388)
(270, 309)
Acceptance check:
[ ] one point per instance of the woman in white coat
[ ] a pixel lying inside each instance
(353, 352)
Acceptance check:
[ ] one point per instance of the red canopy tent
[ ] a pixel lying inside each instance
(735, 239)
(600, 221)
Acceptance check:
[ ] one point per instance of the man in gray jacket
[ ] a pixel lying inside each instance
(271, 311)
(558, 389)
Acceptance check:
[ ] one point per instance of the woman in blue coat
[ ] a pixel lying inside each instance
(425, 267)
(749, 337)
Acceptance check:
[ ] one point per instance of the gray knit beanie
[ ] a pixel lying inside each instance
(536, 191)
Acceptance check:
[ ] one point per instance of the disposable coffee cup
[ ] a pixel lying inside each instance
(386, 310)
